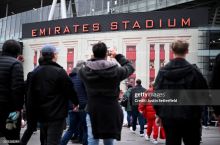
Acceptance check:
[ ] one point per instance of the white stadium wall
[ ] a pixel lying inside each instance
(80, 45)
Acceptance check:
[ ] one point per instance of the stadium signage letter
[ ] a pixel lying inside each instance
(173, 19)
(114, 26)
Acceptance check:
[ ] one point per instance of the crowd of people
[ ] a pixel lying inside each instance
(175, 123)
(144, 112)
(89, 96)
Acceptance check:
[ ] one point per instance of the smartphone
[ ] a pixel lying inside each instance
(108, 52)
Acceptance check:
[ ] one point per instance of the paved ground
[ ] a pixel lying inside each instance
(211, 136)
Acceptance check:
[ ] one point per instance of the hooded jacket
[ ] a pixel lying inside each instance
(215, 81)
(179, 74)
(102, 79)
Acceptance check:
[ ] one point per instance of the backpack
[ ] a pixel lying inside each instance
(125, 99)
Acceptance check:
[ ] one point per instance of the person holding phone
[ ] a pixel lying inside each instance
(102, 79)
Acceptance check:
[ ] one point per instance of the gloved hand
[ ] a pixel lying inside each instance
(14, 115)
(10, 124)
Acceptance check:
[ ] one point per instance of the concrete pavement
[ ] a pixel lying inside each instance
(210, 136)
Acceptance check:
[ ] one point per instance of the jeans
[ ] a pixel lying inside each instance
(129, 115)
(136, 115)
(91, 140)
(52, 131)
(77, 126)
(73, 126)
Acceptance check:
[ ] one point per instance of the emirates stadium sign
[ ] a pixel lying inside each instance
(118, 22)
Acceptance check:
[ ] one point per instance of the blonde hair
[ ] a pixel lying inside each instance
(180, 47)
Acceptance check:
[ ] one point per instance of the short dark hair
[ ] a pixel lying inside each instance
(99, 50)
(11, 47)
(40, 60)
(47, 56)
(138, 81)
(180, 47)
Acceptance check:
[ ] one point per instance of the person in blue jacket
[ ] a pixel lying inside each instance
(77, 118)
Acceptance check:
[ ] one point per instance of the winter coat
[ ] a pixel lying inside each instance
(215, 82)
(49, 91)
(11, 84)
(148, 110)
(102, 79)
(180, 74)
(127, 94)
(138, 89)
(79, 87)
(29, 112)
(147, 107)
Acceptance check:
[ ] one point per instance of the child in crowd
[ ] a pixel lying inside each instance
(149, 113)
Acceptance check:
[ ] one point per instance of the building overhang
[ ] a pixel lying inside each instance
(18, 6)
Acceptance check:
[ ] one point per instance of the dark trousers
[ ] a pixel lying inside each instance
(177, 131)
(12, 136)
(205, 116)
(31, 127)
(136, 115)
(129, 115)
(52, 131)
(83, 128)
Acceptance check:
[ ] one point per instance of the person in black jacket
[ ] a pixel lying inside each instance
(31, 118)
(50, 90)
(137, 91)
(102, 79)
(215, 84)
(11, 90)
(181, 122)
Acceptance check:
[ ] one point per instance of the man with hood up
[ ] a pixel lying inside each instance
(102, 79)
(181, 122)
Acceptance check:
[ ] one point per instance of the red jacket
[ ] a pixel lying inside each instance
(147, 108)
